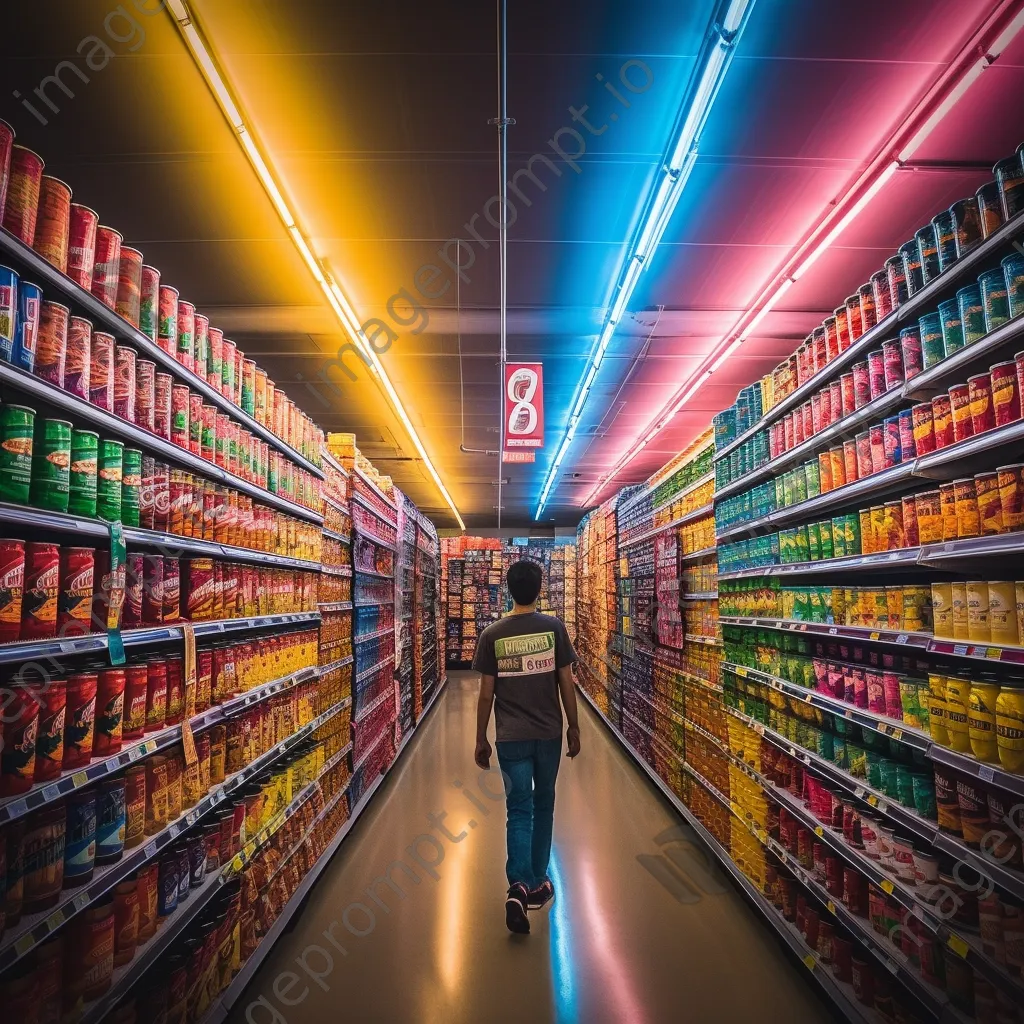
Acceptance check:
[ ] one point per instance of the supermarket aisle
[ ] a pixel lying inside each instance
(615, 946)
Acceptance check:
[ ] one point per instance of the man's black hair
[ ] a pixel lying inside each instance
(524, 580)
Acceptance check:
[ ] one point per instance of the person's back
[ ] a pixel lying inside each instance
(525, 663)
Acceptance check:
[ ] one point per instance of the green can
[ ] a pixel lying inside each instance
(800, 484)
(85, 449)
(812, 475)
(994, 299)
(952, 326)
(933, 348)
(972, 313)
(827, 547)
(51, 465)
(852, 533)
(110, 470)
(787, 489)
(801, 547)
(839, 536)
(17, 429)
(814, 542)
(131, 485)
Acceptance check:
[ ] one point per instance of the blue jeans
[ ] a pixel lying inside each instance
(532, 767)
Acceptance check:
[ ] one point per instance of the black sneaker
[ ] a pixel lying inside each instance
(543, 894)
(515, 909)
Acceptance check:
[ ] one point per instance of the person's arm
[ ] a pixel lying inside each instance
(482, 755)
(567, 689)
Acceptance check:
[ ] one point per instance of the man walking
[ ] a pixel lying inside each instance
(524, 663)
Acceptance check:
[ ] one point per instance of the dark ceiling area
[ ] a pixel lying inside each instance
(375, 117)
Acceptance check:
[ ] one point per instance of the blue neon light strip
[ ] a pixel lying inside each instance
(721, 40)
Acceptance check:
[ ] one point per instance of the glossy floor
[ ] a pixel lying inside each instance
(617, 945)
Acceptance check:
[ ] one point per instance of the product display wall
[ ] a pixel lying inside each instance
(189, 732)
(848, 731)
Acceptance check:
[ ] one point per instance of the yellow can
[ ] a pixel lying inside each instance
(947, 503)
(959, 611)
(1010, 729)
(929, 517)
(1002, 612)
(981, 720)
(878, 538)
(966, 497)
(894, 606)
(978, 629)
(942, 609)
(937, 708)
(1019, 592)
(867, 544)
(917, 609)
(958, 700)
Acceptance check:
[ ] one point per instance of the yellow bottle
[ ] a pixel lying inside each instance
(981, 720)
(958, 699)
(1010, 728)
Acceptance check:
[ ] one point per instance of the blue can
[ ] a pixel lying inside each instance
(167, 885)
(912, 266)
(972, 313)
(928, 250)
(952, 326)
(908, 449)
(994, 298)
(110, 821)
(9, 282)
(945, 239)
(893, 448)
(1013, 269)
(26, 331)
(80, 842)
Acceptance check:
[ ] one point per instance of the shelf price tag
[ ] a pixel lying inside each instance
(986, 773)
(874, 635)
(818, 831)
(79, 779)
(887, 886)
(24, 944)
(809, 962)
(831, 907)
(958, 945)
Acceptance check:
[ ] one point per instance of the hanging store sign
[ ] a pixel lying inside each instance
(524, 405)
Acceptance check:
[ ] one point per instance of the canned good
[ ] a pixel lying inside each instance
(1011, 496)
(994, 298)
(990, 512)
(19, 730)
(186, 334)
(145, 394)
(43, 858)
(17, 430)
(966, 214)
(199, 589)
(149, 303)
(135, 806)
(78, 357)
(945, 239)
(131, 486)
(215, 357)
(966, 506)
(861, 385)
(892, 448)
(52, 698)
(982, 412)
(172, 597)
(202, 345)
(109, 712)
(82, 245)
(24, 184)
(167, 336)
(248, 403)
(128, 302)
(80, 719)
(51, 462)
(53, 222)
(153, 590)
(928, 251)
(209, 449)
(868, 313)
(101, 371)
(162, 497)
(77, 582)
(135, 692)
(124, 382)
(180, 407)
(12, 586)
(932, 344)
(156, 795)
(942, 420)
(131, 611)
(952, 326)
(26, 327)
(1009, 177)
(80, 842)
(111, 824)
(107, 268)
(52, 342)
(164, 411)
(229, 353)
(109, 479)
(960, 405)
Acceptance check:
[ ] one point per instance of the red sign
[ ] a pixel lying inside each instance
(524, 405)
(519, 456)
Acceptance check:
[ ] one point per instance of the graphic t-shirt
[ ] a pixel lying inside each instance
(524, 653)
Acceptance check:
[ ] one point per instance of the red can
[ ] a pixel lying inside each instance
(983, 415)
(835, 401)
(195, 423)
(19, 726)
(162, 496)
(124, 382)
(80, 720)
(172, 589)
(808, 414)
(6, 146)
(131, 611)
(960, 410)
(825, 406)
(911, 531)
(868, 313)
(82, 245)
(842, 327)
(156, 695)
(848, 395)
(52, 342)
(107, 268)
(101, 371)
(202, 345)
(924, 428)
(853, 317)
(222, 439)
(186, 351)
(179, 500)
(892, 360)
(136, 687)
(229, 353)
(819, 343)
(42, 592)
(23, 186)
(861, 385)
(850, 461)
(77, 582)
(942, 420)
(78, 357)
(180, 428)
(199, 575)
(1005, 393)
(163, 414)
(788, 432)
(877, 436)
(881, 294)
(167, 326)
(215, 357)
(152, 590)
(175, 691)
(908, 445)
(52, 697)
(204, 680)
(110, 694)
(149, 303)
(129, 285)
(239, 360)
(53, 222)
(864, 464)
(145, 394)
(12, 588)
(876, 373)
(891, 442)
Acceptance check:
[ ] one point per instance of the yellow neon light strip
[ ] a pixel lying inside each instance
(332, 292)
